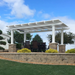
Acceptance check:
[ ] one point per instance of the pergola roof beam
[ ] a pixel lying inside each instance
(39, 26)
(35, 26)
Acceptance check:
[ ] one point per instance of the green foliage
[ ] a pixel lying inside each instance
(3, 42)
(68, 37)
(70, 51)
(24, 50)
(49, 38)
(0, 31)
(43, 50)
(28, 36)
(19, 38)
(18, 46)
(51, 51)
(38, 39)
(1, 48)
(1, 37)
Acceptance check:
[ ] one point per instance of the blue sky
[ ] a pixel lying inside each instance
(24, 11)
(41, 10)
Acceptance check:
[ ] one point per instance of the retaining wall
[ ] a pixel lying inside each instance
(55, 58)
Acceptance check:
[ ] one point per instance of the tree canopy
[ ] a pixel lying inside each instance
(38, 39)
(68, 37)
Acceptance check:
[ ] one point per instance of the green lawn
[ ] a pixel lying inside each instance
(15, 68)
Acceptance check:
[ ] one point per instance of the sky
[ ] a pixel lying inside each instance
(24, 11)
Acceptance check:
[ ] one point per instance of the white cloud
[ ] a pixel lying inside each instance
(46, 16)
(43, 15)
(1, 3)
(40, 12)
(32, 20)
(8, 17)
(19, 9)
(3, 25)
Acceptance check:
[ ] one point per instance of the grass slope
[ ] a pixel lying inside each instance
(15, 68)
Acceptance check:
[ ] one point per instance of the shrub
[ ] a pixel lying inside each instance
(51, 51)
(0, 32)
(1, 48)
(1, 37)
(18, 46)
(24, 50)
(70, 51)
(3, 42)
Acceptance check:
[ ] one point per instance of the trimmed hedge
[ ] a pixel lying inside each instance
(70, 51)
(51, 51)
(0, 32)
(24, 50)
(1, 37)
(3, 42)
(1, 48)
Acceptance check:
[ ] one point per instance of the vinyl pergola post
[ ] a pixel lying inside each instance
(12, 37)
(24, 36)
(53, 34)
(62, 37)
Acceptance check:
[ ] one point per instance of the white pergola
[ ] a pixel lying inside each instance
(43, 26)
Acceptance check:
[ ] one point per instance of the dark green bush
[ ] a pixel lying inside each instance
(1, 48)
(70, 51)
(43, 50)
(35, 50)
(18, 46)
(3, 42)
(1, 37)
(0, 32)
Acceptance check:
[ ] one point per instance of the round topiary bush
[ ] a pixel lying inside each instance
(24, 50)
(2, 42)
(0, 32)
(51, 51)
(1, 37)
(70, 51)
(1, 48)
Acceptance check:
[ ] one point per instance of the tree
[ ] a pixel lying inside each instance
(68, 37)
(19, 38)
(38, 39)
(2, 42)
(28, 36)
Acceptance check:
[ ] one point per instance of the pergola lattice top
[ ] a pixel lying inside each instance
(42, 26)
